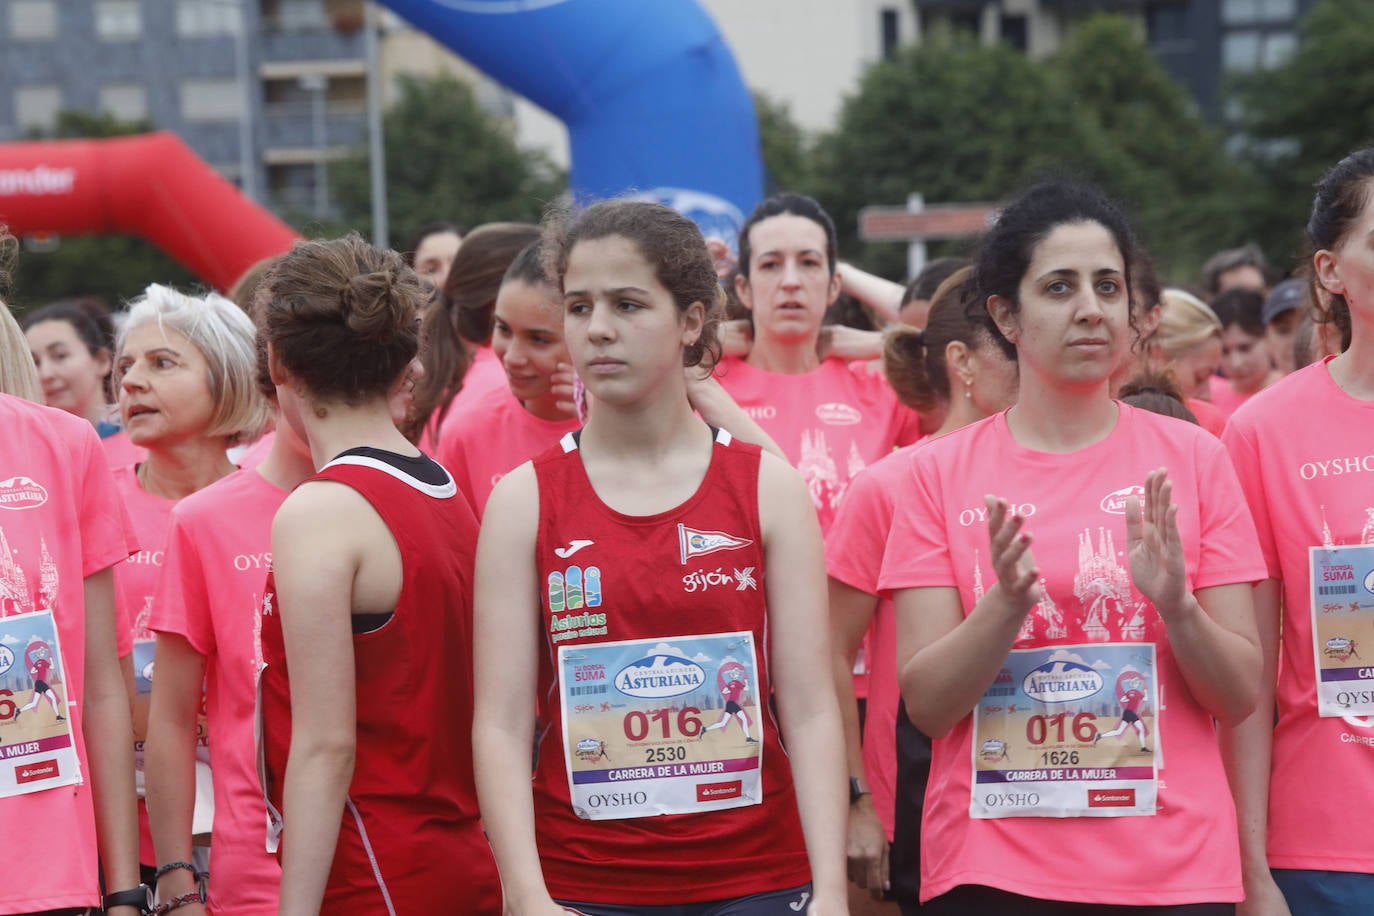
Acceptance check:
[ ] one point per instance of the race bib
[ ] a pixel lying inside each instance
(661, 727)
(144, 657)
(1068, 731)
(1342, 611)
(38, 752)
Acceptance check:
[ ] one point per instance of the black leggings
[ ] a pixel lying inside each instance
(976, 900)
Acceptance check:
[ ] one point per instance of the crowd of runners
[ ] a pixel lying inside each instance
(592, 568)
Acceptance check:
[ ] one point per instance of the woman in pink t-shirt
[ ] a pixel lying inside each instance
(184, 367)
(459, 365)
(1246, 363)
(205, 616)
(72, 342)
(1010, 661)
(831, 418)
(1304, 449)
(68, 764)
(507, 426)
(960, 368)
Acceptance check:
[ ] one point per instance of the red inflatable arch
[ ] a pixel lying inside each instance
(151, 186)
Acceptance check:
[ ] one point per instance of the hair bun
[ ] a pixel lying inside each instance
(371, 307)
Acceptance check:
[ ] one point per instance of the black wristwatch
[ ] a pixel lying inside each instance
(857, 789)
(140, 898)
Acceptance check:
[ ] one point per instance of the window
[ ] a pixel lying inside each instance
(1013, 32)
(1278, 49)
(888, 30)
(1246, 12)
(33, 20)
(127, 103)
(1245, 51)
(211, 100)
(1240, 51)
(1278, 10)
(1239, 11)
(208, 18)
(118, 20)
(37, 106)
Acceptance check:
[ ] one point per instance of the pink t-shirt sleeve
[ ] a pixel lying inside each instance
(1229, 551)
(854, 544)
(183, 597)
(1240, 445)
(917, 554)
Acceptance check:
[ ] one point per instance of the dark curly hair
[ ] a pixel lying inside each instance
(343, 317)
(669, 241)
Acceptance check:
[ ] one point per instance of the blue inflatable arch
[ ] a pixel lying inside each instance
(650, 93)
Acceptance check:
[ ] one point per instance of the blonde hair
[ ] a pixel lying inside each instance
(224, 334)
(18, 376)
(1184, 322)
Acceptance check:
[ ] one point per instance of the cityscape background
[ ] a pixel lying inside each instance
(273, 95)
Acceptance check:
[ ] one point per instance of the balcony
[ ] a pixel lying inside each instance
(291, 125)
(318, 44)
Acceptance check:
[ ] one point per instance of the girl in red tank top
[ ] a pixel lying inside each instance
(647, 617)
(365, 694)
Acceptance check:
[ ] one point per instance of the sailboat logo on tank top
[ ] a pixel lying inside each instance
(694, 543)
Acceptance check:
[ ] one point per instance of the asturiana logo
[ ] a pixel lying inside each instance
(1115, 502)
(1061, 682)
(21, 493)
(838, 414)
(656, 677)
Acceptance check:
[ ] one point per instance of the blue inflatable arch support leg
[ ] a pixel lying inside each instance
(650, 93)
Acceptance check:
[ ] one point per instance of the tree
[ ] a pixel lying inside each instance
(784, 147)
(1299, 119)
(1161, 160)
(113, 268)
(955, 121)
(446, 159)
(960, 122)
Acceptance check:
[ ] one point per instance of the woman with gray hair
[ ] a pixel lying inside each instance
(184, 371)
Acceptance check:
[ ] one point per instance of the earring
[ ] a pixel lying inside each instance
(968, 389)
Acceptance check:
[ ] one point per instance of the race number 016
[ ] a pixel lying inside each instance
(638, 723)
(1038, 727)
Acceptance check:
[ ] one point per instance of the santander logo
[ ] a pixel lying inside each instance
(1115, 502)
(838, 414)
(21, 493)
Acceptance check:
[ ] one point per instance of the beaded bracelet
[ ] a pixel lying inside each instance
(177, 903)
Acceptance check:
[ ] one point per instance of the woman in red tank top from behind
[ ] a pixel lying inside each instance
(366, 692)
(624, 592)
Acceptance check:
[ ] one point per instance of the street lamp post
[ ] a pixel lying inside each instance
(317, 85)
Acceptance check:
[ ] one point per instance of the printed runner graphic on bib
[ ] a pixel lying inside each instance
(1343, 628)
(36, 747)
(661, 726)
(1068, 731)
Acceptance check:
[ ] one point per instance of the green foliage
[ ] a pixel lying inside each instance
(1167, 167)
(960, 122)
(784, 146)
(446, 159)
(114, 268)
(957, 122)
(1302, 118)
